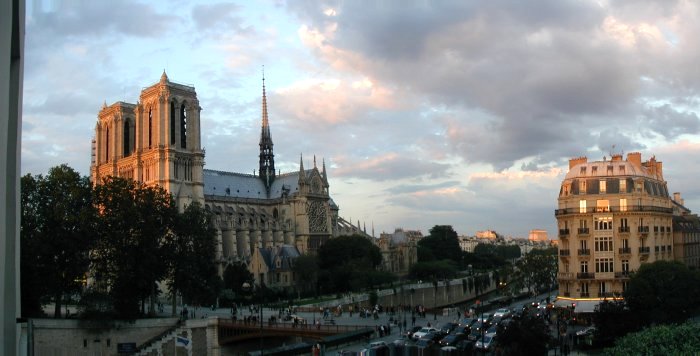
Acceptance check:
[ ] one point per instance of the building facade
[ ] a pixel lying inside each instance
(399, 250)
(273, 266)
(613, 215)
(158, 141)
(686, 234)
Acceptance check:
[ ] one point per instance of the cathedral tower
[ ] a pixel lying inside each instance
(267, 157)
(155, 141)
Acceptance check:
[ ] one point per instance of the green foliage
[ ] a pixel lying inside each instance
(192, 271)
(130, 253)
(441, 269)
(613, 320)
(502, 252)
(235, 275)
(659, 340)
(537, 270)
(306, 270)
(373, 297)
(58, 222)
(526, 336)
(348, 263)
(442, 243)
(664, 292)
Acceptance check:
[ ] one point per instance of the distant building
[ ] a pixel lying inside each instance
(613, 216)
(537, 235)
(468, 243)
(686, 234)
(486, 234)
(272, 266)
(399, 250)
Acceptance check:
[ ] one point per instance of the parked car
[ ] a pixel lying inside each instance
(587, 331)
(452, 339)
(422, 332)
(502, 313)
(409, 333)
(486, 343)
(447, 328)
(467, 321)
(461, 330)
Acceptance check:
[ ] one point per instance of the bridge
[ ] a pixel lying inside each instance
(230, 331)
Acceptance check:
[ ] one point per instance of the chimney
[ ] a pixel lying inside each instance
(576, 161)
(635, 158)
(677, 198)
(616, 157)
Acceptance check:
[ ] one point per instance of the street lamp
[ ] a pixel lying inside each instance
(248, 288)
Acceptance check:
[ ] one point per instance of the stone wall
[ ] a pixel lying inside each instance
(68, 337)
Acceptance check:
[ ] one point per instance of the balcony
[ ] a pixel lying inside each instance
(644, 250)
(564, 253)
(585, 295)
(614, 209)
(643, 230)
(585, 275)
(625, 250)
(584, 252)
(623, 229)
(605, 294)
(565, 275)
(563, 233)
(623, 275)
(583, 231)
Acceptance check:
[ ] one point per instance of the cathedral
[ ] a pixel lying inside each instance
(158, 141)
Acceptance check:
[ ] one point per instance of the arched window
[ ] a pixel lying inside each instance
(183, 126)
(172, 123)
(127, 136)
(107, 145)
(150, 128)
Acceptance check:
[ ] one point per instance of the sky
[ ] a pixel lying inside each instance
(426, 112)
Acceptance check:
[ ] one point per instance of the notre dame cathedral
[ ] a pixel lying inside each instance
(158, 141)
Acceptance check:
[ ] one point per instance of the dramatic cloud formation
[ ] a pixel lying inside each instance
(425, 112)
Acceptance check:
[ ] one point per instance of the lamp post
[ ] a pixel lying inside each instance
(248, 288)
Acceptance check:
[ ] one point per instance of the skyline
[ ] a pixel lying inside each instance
(426, 113)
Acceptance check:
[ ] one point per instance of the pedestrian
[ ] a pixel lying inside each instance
(413, 320)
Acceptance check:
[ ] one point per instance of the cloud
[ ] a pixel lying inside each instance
(388, 166)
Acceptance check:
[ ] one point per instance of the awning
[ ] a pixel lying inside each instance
(563, 303)
(586, 306)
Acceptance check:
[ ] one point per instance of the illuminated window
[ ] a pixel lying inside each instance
(623, 204)
(623, 184)
(602, 186)
(582, 206)
(602, 205)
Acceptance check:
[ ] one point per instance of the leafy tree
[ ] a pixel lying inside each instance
(442, 243)
(58, 222)
(235, 275)
(664, 292)
(434, 269)
(526, 336)
(306, 270)
(613, 320)
(537, 270)
(130, 254)
(660, 340)
(345, 261)
(192, 271)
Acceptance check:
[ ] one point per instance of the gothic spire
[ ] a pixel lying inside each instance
(323, 172)
(267, 157)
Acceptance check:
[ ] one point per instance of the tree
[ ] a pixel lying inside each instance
(345, 261)
(434, 269)
(664, 292)
(235, 275)
(526, 336)
(660, 340)
(442, 243)
(58, 222)
(613, 320)
(130, 255)
(192, 271)
(537, 270)
(306, 270)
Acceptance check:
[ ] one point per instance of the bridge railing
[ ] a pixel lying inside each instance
(288, 325)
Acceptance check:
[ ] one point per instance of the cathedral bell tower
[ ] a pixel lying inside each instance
(155, 141)
(267, 157)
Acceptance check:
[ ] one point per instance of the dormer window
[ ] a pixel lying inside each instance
(583, 170)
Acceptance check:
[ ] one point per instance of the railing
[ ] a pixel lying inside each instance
(564, 253)
(643, 229)
(563, 232)
(623, 274)
(565, 275)
(585, 275)
(583, 231)
(605, 294)
(585, 295)
(653, 209)
(625, 250)
(644, 250)
(622, 229)
(584, 252)
(567, 294)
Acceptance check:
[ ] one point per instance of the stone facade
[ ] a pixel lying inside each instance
(613, 216)
(158, 141)
(399, 250)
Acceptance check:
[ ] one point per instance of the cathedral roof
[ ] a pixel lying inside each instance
(285, 253)
(242, 185)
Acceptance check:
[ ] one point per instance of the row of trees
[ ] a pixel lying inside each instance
(108, 245)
